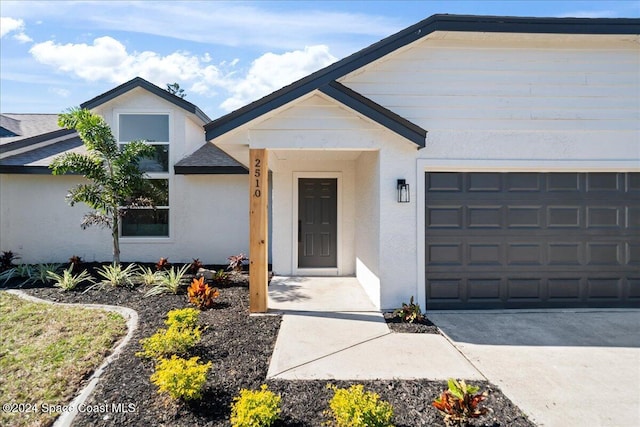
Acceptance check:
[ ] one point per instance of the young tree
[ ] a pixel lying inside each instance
(115, 182)
(174, 89)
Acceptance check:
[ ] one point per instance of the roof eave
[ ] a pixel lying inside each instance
(376, 112)
(140, 82)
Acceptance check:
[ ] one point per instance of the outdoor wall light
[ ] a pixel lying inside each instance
(403, 191)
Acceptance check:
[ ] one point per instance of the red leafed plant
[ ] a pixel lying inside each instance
(163, 264)
(201, 294)
(460, 403)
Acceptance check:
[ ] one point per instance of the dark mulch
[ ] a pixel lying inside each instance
(424, 326)
(239, 346)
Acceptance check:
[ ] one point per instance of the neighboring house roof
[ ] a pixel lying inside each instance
(37, 161)
(465, 23)
(140, 82)
(209, 159)
(27, 125)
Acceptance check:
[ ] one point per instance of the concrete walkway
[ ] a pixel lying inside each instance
(561, 367)
(331, 330)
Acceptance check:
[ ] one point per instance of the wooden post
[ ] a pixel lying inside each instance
(258, 230)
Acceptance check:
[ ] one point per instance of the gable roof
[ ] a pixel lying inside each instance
(140, 82)
(463, 23)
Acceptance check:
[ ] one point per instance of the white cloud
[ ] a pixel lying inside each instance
(271, 72)
(16, 26)
(107, 59)
(8, 25)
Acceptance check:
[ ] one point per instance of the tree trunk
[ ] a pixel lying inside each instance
(116, 239)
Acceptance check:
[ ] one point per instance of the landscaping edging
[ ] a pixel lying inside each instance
(131, 316)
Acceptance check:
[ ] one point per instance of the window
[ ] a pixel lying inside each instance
(154, 130)
(149, 222)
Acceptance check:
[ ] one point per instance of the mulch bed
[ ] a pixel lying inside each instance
(240, 346)
(423, 326)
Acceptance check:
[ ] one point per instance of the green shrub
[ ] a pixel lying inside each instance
(167, 342)
(255, 408)
(181, 378)
(183, 318)
(354, 407)
(169, 281)
(117, 276)
(69, 281)
(30, 273)
(146, 276)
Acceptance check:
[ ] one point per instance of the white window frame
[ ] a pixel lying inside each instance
(168, 175)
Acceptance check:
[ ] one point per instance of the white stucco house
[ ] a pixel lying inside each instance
(474, 162)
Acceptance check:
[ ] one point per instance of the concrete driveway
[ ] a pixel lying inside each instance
(561, 367)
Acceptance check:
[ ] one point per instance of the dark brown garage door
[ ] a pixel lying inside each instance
(532, 240)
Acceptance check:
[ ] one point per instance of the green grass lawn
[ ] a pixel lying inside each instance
(45, 353)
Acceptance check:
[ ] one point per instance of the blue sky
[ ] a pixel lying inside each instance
(55, 54)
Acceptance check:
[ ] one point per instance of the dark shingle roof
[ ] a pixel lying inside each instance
(468, 23)
(37, 161)
(27, 125)
(209, 159)
(140, 82)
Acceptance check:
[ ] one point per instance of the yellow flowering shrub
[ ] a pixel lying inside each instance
(255, 408)
(354, 407)
(181, 378)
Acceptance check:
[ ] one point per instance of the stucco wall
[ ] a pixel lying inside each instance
(38, 224)
(367, 243)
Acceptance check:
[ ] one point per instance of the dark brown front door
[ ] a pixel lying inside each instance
(317, 222)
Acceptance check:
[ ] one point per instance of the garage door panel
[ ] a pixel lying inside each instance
(446, 290)
(528, 182)
(633, 288)
(604, 182)
(445, 182)
(524, 217)
(604, 254)
(444, 217)
(488, 290)
(490, 182)
(485, 254)
(563, 182)
(564, 289)
(605, 217)
(565, 254)
(484, 217)
(508, 240)
(522, 254)
(524, 289)
(604, 288)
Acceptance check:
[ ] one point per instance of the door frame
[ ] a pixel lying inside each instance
(337, 271)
